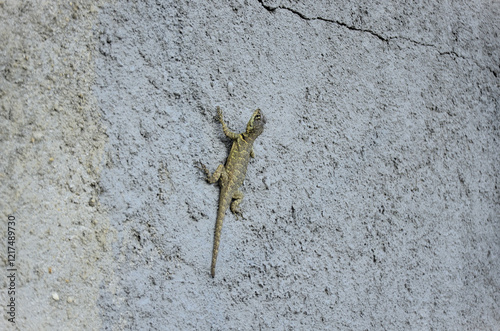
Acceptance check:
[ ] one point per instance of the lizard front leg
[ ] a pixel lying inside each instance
(227, 132)
(235, 205)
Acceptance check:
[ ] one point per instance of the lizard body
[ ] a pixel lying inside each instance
(232, 175)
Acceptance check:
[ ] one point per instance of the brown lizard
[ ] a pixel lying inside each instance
(232, 175)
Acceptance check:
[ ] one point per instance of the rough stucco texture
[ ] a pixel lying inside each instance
(373, 201)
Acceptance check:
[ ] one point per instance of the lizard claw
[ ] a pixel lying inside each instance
(239, 215)
(201, 166)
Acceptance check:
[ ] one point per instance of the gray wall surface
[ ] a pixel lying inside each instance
(372, 204)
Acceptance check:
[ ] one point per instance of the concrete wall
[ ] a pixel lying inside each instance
(372, 203)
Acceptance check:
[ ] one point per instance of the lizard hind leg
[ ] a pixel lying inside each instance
(219, 173)
(235, 205)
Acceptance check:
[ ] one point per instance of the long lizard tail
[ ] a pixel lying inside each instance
(223, 205)
(218, 230)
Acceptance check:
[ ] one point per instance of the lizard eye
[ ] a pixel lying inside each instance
(257, 117)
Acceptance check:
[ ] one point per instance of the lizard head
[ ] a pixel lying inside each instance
(256, 124)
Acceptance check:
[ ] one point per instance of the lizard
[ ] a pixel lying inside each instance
(232, 175)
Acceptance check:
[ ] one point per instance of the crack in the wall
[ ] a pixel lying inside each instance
(345, 25)
(304, 17)
(373, 33)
